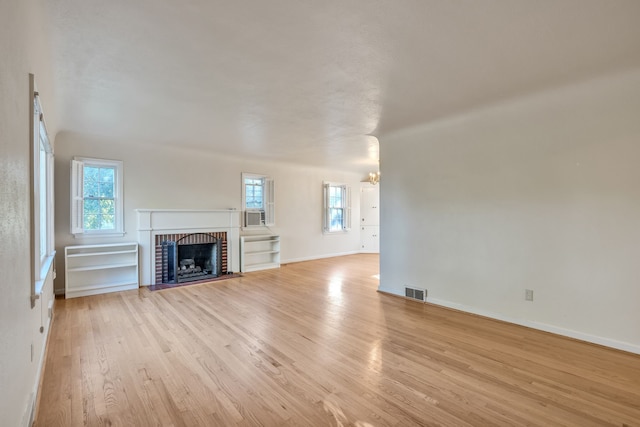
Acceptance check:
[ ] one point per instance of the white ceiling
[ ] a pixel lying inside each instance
(309, 81)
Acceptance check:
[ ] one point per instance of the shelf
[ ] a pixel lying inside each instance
(261, 266)
(261, 238)
(98, 269)
(102, 267)
(113, 284)
(101, 253)
(96, 290)
(259, 252)
(101, 247)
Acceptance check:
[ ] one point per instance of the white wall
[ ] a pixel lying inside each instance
(181, 178)
(540, 193)
(21, 44)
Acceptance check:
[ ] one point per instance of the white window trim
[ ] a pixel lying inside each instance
(269, 203)
(41, 258)
(77, 197)
(326, 217)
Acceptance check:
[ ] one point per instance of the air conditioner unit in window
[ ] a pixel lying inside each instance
(253, 218)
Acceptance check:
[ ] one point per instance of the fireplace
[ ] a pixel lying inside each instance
(190, 257)
(158, 225)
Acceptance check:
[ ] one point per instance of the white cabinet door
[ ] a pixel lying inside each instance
(370, 238)
(369, 205)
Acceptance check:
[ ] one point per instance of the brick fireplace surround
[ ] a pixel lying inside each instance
(156, 225)
(188, 238)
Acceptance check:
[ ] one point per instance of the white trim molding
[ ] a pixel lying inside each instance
(314, 257)
(593, 339)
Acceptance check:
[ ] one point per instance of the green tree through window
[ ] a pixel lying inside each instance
(99, 203)
(96, 196)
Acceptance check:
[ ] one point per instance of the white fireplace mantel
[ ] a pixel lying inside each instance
(168, 221)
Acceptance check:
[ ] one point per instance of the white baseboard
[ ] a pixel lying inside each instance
(607, 342)
(594, 339)
(314, 257)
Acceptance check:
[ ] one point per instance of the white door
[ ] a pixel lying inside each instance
(369, 202)
(369, 218)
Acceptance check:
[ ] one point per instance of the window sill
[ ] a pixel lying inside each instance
(45, 269)
(326, 232)
(93, 235)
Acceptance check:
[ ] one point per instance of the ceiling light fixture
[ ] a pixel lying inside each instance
(374, 178)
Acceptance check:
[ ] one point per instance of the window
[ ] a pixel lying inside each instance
(258, 201)
(337, 208)
(42, 197)
(43, 214)
(96, 197)
(254, 192)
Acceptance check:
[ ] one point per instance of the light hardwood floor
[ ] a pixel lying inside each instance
(314, 344)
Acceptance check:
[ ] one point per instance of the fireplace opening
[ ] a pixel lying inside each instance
(183, 261)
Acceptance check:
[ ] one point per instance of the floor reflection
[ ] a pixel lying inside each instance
(335, 288)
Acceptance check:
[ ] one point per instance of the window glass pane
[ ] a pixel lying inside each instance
(335, 220)
(108, 222)
(43, 200)
(335, 197)
(106, 189)
(91, 221)
(91, 207)
(91, 188)
(107, 207)
(99, 198)
(107, 175)
(90, 184)
(335, 214)
(254, 189)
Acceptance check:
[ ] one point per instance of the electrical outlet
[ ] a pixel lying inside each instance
(528, 295)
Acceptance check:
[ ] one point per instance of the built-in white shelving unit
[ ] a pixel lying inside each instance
(259, 252)
(98, 269)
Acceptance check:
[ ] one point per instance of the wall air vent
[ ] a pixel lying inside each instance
(414, 293)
